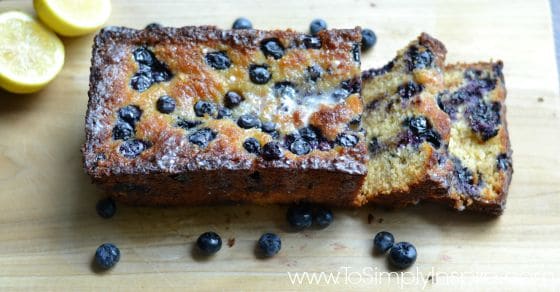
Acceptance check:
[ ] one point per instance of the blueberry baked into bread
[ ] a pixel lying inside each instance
(199, 115)
(407, 133)
(479, 146)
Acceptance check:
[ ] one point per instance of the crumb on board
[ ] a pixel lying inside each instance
(231, 241)
(370, 218)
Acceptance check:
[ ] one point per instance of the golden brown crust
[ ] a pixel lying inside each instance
(167, 148)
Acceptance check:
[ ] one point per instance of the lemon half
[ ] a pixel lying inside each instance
(73, 17)
(30, 54)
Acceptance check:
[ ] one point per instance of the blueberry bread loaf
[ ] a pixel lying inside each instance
(198, 115)
(407, 133)
(479, 146)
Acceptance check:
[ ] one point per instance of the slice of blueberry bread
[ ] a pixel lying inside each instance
(479, 146)
(199, 115)
(407, 133)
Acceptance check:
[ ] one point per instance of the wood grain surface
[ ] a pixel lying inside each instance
(49, 229)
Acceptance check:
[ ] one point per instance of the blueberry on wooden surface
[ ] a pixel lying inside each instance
(317, 25)
(209, 242)
(107, 255)
(323, 217)
(402, 255)
(368, 39)
(242, 23)
(300, 216)
(383, 241)
(269, 244)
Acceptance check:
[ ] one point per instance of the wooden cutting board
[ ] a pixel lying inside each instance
(49, 229)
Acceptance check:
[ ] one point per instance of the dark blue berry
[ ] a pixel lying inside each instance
(144, 56)
(272, 151)
(300, 147)
(463, 179)
(202, 108)
(153, 25)
(433, 138)
(409, 89)
(402, 255)
(209, 242)
(141, 81)
(248, 121)
(504, 161)
(383, 241)
(285, 89)
(300, 216)
(107, 255)
(353, 85)
(202, 137)
(311, 42)
(317, 25)
(269, 244)
(218, 60)
(122, 130)
(185, 124)
(130, 113)
(323, 217)
(165, 104)
(106, 208)
(232, 99)
(160, 73)
(418, 59)
(259, 74)
(242, 23)
(132, 148)
(484, 119)
(347, 140)
(368, 39)
(340, 94)
(418, 125)
(224, 112)
(268, 127)
(374, 146)
(252, 145)
(309, 134)
(272, 48)
(314, 72)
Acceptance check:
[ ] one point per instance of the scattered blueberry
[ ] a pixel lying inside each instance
(209, 242)
(259, 74)
(300, 147)
(383, 241)
(314, 72)
(107, 255)
(323, 217)
(252, 145)
(368, 39)
(242, 23)
(269, 244)
(300, 216)
(402, 255)
(484, 119)
(218, 60)
(122, 131)
(232, 99)
(317, 25)
(353, 85)
(165, 104)
(202, 108)
(311, 42)
(248, 121)
(347, 140)
(106, 208)
(224, 112)
(272, 151)
(160, 73)
(153, 25)
(202, 137)
(141, 81)
(272, 48)
(132, 148)
(130, 113)
(409, 89)
(309, 134)
(418, 125)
